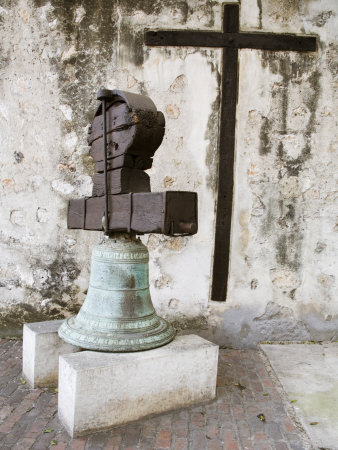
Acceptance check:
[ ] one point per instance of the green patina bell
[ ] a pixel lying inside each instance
(118, 314)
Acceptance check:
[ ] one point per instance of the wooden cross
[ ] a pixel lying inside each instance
(230, 39)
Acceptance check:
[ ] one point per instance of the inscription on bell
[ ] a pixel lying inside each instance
(117, 256)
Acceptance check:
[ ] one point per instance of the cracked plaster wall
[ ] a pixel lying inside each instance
(54, 56)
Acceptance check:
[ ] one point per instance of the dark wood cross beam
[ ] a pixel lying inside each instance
(230, 39)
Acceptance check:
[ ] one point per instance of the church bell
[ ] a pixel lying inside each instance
(118, 314)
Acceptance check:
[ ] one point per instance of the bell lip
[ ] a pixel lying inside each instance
(168, 336)
(143, 324)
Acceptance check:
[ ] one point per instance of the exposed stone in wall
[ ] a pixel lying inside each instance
(55, 55)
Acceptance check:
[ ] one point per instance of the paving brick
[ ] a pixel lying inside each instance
(231, 445)
(149, 430)
(34, 394)
(165, 421)
(223, 407)
(298, 446)
(212, 431)
(273, 431)
(238, 413)
(37, 428)
(288, 426)
(24, 444)
(243, 430)
(181, 431)
(113, 443)
(164, 439)
(78, 444)
(97, 441)
(230, 422)
(247, 444)
(215, 444)
(198, 440)
(181, 444)
(228, 435)
(7, 425)
(261, 437)
(132, 435)
(144, 443)
(263, 446)
(59, 446)
(281, 446)
(197, 420)
(44, 441)
(5, 411)
(295, 443)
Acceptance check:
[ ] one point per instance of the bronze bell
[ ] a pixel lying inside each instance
(118, 314)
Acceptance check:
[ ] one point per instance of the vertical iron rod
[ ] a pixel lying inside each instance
(106, 212)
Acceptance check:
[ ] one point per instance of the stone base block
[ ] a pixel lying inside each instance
(101, 390)
(41, 350)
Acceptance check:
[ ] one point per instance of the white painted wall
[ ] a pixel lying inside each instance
(283, 272)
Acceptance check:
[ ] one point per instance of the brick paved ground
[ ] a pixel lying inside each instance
(230, 422)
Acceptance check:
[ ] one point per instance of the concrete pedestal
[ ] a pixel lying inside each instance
(101, 390)
(41, 350)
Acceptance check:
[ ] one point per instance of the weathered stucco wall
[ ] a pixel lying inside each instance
(283, 274)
